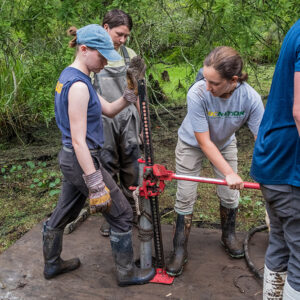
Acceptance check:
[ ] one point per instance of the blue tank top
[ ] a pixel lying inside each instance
(94, 134)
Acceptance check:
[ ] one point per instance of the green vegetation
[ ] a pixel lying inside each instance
(182, 76)
(28, 192)
(34, 48)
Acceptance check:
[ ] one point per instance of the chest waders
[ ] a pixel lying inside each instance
(121, 143)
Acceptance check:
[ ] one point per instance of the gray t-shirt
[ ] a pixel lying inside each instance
(221, 117)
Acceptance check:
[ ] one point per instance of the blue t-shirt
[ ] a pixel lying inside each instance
(276, 157)
(94, 134)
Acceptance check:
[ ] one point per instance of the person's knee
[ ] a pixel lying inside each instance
(184, 206)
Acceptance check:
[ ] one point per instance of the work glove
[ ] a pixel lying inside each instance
(135, 72)
(99, 194)
(129, 95)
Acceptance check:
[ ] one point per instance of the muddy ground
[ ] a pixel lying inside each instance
(210, 273)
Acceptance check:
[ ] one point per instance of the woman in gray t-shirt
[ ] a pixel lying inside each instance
(218, 105)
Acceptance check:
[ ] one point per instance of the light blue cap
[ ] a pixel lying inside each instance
(96, 37)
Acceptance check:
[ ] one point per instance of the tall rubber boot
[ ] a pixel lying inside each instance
(289, 293)
(273, 284)
(127, 272)
(229, 240)
(52, 247)
(180, 255)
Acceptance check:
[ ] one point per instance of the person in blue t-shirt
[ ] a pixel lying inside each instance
(78, 111)
(276, 166)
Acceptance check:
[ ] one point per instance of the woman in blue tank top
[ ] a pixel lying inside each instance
(78, 111)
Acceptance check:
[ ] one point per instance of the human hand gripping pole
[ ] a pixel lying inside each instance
(99, 194)
(135, 72)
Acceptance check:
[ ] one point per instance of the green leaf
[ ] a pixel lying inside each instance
(52, 184)
(30, 164)
(36, 180)
(54, 192)
(57, 180)
(3, 170)
(32, 186)
(12, 169)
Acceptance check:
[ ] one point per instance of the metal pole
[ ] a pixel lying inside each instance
(248, 185)
(145, 225)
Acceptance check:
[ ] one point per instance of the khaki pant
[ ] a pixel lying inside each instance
(189, 162)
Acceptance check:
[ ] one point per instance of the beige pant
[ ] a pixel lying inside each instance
(189, 162)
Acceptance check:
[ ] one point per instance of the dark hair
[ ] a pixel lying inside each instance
(117, 17)
(227, 62)
(72, 31)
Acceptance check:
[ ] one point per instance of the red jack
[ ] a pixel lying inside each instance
(162, 277)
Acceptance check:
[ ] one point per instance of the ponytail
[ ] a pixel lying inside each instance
(72, 31)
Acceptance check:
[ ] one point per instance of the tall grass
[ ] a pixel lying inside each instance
(14, 93)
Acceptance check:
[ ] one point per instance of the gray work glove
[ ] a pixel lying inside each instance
(99, 194)
(129, 95)
(135, 71)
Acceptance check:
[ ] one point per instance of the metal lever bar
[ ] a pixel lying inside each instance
(247, 185)
(163, 174)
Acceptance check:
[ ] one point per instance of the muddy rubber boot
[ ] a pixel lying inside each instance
(127, 272)
(180, 241)
(105, 228)
(229, 241)
(52, 247)
(83, 215)
(273, 284)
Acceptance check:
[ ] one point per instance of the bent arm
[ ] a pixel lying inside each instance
(296, 106)
(78, 99)
(216, 158)
(110, 109)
